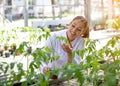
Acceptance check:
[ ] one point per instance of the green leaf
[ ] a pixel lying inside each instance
(47, 49)
(80, 78)
(12, 65)
(6, 69)
(24, 84)
(46, 29)
(61, 38)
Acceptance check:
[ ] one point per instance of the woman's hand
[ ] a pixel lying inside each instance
(68, 50)
(46, 69)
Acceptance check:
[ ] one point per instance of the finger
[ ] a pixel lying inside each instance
(63, 46)
(46, 69)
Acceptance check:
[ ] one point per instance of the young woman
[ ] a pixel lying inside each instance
(75, 33)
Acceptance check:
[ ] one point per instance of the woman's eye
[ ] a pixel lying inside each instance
(79, 29)
(73, 25)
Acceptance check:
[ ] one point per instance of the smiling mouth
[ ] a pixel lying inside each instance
(72, 33)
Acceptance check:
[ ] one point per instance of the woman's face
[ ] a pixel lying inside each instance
(75, 29)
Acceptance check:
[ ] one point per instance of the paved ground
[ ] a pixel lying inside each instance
(72, 82)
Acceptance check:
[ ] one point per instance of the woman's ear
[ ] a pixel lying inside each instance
(86, 33)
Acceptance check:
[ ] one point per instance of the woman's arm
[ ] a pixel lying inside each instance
(77, 59)
(50, 44)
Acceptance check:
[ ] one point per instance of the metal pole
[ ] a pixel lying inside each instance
(60, 14)
(110, 10)
(53, 10)
(102, 6)
(87, 8)
(43, 7)
(3, 11)
(26, 13)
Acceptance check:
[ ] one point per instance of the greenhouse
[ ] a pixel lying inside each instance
(59, 43)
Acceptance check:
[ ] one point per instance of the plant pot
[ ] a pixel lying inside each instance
(29, 50)
(1, 52)
(11, 51)
(7, 54)
(5, 47)
(101, 61)
(17, 54)
(54, 77)
(14, 47)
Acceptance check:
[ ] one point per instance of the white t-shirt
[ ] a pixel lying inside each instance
(56, 45)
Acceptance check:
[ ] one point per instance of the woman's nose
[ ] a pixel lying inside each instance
(74, 29)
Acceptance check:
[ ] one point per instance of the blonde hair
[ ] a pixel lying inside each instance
(85, 33)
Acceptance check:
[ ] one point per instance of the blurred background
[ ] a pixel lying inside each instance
(101, 14)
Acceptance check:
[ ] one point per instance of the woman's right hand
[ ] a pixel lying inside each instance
(68, 50)
(46, 69)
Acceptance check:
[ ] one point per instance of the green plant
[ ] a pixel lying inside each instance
(38, 55)
(2, 37)
(113, 23)
(91, 71)
(8, 37)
